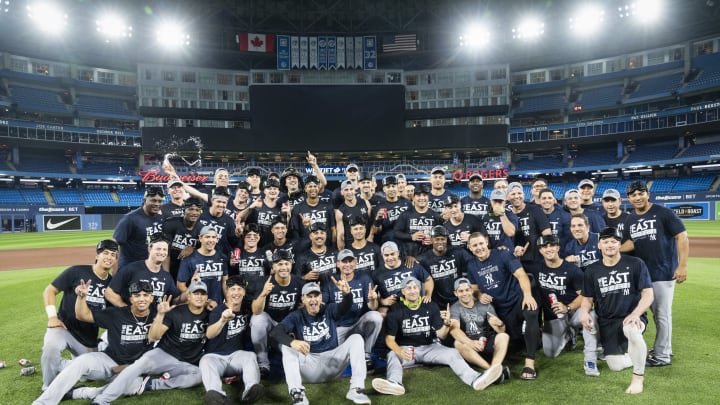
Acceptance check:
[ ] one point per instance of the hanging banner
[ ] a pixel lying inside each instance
(283, 52)
(294, 52)
(331, 53)
(350, 52)
(313, 51)
(304, 53)
(370, 53)
(340, 52)
(359, 47)
(322, 53)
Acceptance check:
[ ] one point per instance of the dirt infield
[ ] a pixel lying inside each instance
(50, 257)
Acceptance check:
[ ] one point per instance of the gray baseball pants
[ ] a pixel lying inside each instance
(55, 342)
(434, 353)
(214, 366)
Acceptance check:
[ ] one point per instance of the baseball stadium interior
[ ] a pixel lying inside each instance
(92, 102)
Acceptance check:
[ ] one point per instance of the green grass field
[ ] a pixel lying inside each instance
(689, 380)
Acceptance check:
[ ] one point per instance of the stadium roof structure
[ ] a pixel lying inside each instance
(215, 23)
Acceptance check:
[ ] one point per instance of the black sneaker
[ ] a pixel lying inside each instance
(213, 397)
(253, 394)
(68, 395)
(653, 361)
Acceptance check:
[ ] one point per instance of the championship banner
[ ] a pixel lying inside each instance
(331, 53)
(358, 53)
(283, 52)
(370, 53)
(294, 52)
(349, 52)
(340, 52)
(322, 53)
(313, 50)
(304, 53)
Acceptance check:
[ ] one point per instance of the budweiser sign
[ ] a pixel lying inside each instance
(154, 176)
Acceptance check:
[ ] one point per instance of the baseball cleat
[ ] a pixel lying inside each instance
(253, 393)
(488, 377)
(213, 397)
(384, 386)
(357, 395)
(591, 369)
(653, 361)
(298, 397)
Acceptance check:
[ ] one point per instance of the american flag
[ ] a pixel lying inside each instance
(400, 43)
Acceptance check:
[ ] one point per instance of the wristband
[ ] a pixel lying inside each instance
(50, 311)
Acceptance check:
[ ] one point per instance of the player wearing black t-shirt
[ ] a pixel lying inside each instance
(182, 233)
(366, 253)
(134, 229)
(414, 225)
(127, 336)
(412, 327)
(64, 330)
(459, 225)
(532, 223)
(175, 207)
(615, 216)
(445, 265)
(223, 354)
(388, 211)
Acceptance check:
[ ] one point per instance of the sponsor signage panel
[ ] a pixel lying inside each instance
(62, 222)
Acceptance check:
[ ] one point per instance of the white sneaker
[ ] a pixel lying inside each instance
(298, 397)
(488, 377)
(591, 369)
(384, 386)
(357, 395)
(143, 386)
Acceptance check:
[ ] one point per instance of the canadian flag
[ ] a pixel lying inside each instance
(250, 42)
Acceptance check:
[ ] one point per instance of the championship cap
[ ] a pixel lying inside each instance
(197, 286)
(193, 201)
(572, 190)
(310, 288)
(220, 192)
(513, 185)
(152, 191)
(475, 176)
(357, 220)
(106, 244)
(312, 179)
(422, 189)
(206, 229)
(173, 182)
(389, 246)
(498, 194)
(460, 282)
(345, 184)
(318, 226)
(438, 230)
(351, 167)
(612, 193)
(408, 281)
(545, 240)
(437, 169)
(244, 185)
(138, 286)
(635, 186)
(451, 199)
(389, 180)
(272, 183)
(345, 254)
(610, 232)
(282, 254)
(253, 171)
(586, 182)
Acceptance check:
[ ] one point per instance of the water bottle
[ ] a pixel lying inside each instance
(27, 370)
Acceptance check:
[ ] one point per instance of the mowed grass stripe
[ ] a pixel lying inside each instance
(690, 380)
(39, 240)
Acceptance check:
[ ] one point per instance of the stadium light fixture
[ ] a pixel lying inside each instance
(171, 35)
(528, 29)
(48, 17)
(644, 11)
(474, 37)
(587, 20)
(112, 27)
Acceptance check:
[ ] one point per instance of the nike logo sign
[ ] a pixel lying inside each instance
(50, 225)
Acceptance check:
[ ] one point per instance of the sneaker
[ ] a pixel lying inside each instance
(213, 397)
(488, 377)
(253, 393)
(651, 352)
(298, 396)
(384, 386)
(653, 361)
(591, 369)
(357, 395)
(144, 386)
(504, 376)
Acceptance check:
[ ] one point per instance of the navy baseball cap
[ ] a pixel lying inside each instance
(244, 185)
(282, 254)
(388, 180)
(140, 286)
(422, 189)
(318, 226)
(451, 199)
(439, 230)
(312, 179)
(152, 191)
(194, 201)
(253, 171)
(272, 183)
(106, 244)
(635, 186)
(220, 192)
(545, 240)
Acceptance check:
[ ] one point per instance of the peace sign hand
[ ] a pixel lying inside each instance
(83, 288)
(372, 292)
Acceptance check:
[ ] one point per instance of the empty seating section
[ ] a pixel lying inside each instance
(709, 76)
(549, 102)
(601, 97)
(11, 196)
(650, 153)
(106, 168)
(43, 163)
(99, 198)
(540, 163)
(30, 99)
(130, 198)
(600, 157)
(663, 185)
(62, 196)
(702, 149)
(656, 87)
(33, 196)
(695, 183)
(102, 106)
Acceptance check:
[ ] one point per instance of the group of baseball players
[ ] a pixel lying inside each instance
(286, 277)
